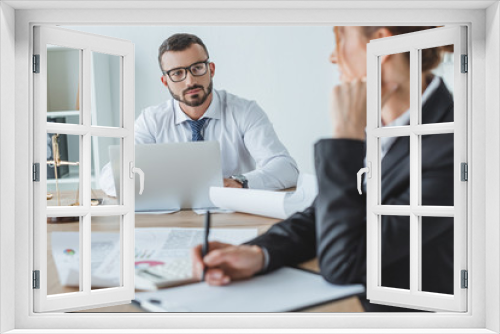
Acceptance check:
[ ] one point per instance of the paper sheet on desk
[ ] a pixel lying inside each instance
(105, 261)
(153, 246)
(158, 244)
(274, 204)
(283, 290)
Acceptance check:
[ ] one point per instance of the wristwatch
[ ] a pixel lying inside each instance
(240, 179)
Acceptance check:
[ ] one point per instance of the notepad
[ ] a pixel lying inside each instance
(286, 289)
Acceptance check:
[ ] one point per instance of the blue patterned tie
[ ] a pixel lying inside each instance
(196, 127)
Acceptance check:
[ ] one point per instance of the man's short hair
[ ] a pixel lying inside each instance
(179, 42)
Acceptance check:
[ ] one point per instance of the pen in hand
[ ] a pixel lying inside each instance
(204, 250)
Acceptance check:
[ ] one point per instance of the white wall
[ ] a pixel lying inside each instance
(8, 186)
(285, 69)
(492, 160)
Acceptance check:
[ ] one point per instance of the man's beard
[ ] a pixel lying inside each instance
(196, 99)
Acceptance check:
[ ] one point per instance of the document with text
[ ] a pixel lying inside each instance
(153, 247)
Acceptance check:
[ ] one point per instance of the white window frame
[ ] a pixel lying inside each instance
(414, 297)
(86, 44)
(484, 103)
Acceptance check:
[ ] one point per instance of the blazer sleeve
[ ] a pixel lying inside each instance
(333, 227)
(291, 241)
(340, 211)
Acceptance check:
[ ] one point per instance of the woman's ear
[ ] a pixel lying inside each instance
(382, 33)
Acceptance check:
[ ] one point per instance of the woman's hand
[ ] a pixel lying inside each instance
(349, 108)
(226, 262)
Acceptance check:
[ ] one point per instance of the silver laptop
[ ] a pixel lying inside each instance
(177, 175)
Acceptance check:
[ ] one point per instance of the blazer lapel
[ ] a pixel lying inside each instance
(395, 164)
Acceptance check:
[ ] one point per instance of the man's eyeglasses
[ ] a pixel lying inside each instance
(197, 70)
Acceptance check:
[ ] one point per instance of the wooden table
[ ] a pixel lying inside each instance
(185, 219)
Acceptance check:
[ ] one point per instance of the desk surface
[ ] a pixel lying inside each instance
(186, 219)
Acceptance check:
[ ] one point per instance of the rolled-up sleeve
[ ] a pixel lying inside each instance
(275, 168)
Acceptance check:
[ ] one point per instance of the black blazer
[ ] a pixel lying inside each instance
(334, 227)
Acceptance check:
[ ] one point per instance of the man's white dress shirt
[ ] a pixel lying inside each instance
(249, 145)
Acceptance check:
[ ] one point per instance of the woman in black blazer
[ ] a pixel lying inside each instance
(334, 227)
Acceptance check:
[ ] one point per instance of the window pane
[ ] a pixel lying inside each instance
(106, 174)
(63, 84)
(63, 256)
(106, 97)
(437, 66)
(106, 252)
(437, 254)
(63, 170)
(395, 171)
(395, 241)
(437, 169)
(387, 93)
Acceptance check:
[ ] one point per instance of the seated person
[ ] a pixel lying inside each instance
(333, 229)
(251, 153)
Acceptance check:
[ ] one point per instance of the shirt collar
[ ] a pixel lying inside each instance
(213, 110)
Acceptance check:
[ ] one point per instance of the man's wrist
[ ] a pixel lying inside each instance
(241, 179)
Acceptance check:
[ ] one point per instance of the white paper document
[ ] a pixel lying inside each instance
(286, 289)
(276, 204)
(153, 246)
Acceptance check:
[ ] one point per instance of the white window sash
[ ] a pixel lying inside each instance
(86, 297)
(414, 298)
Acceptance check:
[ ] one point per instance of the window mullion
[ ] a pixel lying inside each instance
(85, 174)
(414, 170)
(373, 187)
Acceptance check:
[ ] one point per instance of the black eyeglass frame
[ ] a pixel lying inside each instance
(187, 68)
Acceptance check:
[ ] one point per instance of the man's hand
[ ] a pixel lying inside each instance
(230, 183)
(226, 262)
